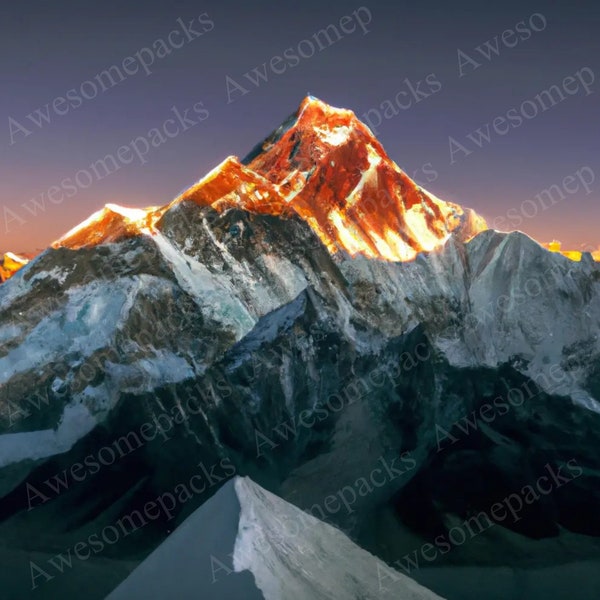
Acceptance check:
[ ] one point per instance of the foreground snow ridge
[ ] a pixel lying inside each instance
(245, 543)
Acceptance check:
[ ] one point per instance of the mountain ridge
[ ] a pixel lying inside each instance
(326, 166)
(10, 264)
(240, 337)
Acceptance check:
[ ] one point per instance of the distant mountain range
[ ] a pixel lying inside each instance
(324, 166)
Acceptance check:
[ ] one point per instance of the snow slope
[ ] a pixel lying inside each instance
(278, 553)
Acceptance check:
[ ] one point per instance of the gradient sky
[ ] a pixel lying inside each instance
(47, 48)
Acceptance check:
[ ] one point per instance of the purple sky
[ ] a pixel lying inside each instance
(384, 49)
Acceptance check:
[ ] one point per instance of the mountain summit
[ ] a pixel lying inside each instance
(325, 166)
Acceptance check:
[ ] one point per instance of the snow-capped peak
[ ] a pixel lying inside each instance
(327, 167)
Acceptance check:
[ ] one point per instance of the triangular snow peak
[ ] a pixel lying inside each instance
(247, 543)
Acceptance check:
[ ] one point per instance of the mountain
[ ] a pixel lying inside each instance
(576, 255)
(368, 353)
(325, 166)
(333, 172)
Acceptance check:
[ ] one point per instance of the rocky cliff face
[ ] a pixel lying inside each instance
(309, 317)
